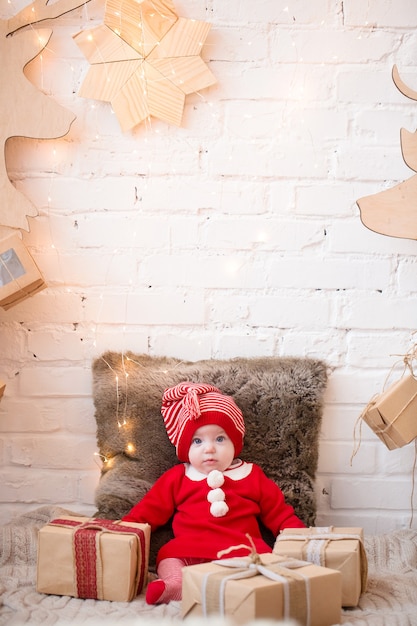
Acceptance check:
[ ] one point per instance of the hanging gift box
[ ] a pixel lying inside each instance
(93, 558)
(19, 275)
(341, 549)
(274, 588)
(393, 414)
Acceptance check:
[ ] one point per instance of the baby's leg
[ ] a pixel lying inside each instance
(168, 585)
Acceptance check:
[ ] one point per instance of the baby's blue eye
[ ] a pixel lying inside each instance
(220, 438)
(197, 440)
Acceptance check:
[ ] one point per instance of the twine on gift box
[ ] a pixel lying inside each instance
(378, 430)
(413, 479)
(408, 360)
(296, 597)
(253, 555)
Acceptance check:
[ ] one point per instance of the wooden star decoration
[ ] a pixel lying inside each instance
(144, 60)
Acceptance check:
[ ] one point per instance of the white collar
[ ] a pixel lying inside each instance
(238, 470)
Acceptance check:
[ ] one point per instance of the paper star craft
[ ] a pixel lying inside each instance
(144, 60)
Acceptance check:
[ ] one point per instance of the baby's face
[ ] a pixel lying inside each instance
(211, 449)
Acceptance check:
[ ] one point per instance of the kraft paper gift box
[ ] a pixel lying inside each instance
(19, 275)
(242, 591)
(93, 558)
(393, 414)
(338, 548)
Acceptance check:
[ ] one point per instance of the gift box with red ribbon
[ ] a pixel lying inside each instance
(93, 558)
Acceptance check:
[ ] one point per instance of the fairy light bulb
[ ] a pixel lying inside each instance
(232, 267)
(261, 236)
(102, 457)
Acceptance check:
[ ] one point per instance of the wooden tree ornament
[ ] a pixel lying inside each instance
(393, 212)
(24, 110)
(144, 60)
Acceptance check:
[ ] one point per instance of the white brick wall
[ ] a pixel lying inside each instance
(237, 234)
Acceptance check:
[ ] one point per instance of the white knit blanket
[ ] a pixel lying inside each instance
(391, 598)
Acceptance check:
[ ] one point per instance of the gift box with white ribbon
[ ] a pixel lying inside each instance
(338, 548)
(242, 589)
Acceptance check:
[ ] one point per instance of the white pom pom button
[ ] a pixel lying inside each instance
(218, 509)
(215, 479)
(216, 496)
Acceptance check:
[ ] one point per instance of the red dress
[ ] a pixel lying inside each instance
(181, 494)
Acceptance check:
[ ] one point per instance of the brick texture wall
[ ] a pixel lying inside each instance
(237, 234)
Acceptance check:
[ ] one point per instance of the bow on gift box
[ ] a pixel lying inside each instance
(87, 553)
(295, 585)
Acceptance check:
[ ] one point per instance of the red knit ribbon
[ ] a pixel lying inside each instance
(85, 551)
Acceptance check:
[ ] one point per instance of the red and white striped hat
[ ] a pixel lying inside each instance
(187, 406)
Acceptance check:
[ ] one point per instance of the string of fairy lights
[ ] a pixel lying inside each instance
(57, 148)
(147, 132)
(297, 96)
(122, 417)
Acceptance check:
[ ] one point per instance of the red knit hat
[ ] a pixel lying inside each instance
(187, 406)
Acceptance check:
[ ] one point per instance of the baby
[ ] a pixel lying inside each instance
(214, 498)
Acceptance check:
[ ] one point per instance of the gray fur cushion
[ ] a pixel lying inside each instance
(281, 400)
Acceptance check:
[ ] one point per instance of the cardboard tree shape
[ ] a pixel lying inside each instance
(19, 275)
(24, 110)
(393, 212)
(144, 60)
